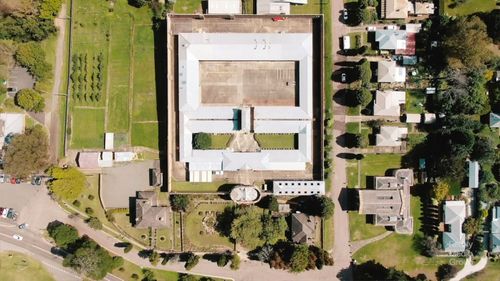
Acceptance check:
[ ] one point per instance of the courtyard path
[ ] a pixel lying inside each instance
(355, 246)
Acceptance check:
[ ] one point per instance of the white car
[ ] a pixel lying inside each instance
(17, 237)
(344, 14)
(343, 77)
(2, 178)
(391, 27)
(371, 28)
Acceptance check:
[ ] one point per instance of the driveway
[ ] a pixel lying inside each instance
(122, 182)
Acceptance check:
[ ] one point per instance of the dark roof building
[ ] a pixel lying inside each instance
(303, 228)
(147, 211)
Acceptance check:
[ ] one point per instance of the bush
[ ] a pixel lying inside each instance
(202, 141)
(90, 197)
(235, 262)
(180, 202)
(134, 276)
(30, 100)
(117, 262)
(128, 248)
(363, 97)
(273, 204)
(32, 56)
(63, 234)
(89, 211)
(76, 203)
(447, 271)
(222, 261)
(192, 261)
(154, 258)
(94, 223)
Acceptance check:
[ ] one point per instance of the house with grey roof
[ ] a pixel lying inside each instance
(390, 72)
(148, 213)
(453, 239)
(388, 103)
(495, 231)
(389, 39)
(391, 136)
(389, 202)
(303, 228)
(494, 120)
(473, 174)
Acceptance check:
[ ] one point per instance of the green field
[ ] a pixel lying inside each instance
(184, 186)
(87, 127)
(415, 101)
(201, 238)
(19, 267)
(360, 230)
(469, 7)
(313, 7)
(377, 164)
(187, 6)
(400, 251)
(490, 272)
(125, 39)
(219, 141)
(276, 141)
(352, 127)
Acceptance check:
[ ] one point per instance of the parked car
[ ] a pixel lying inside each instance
(371, 28)
(391, 27)
(17, 237)
(279, 18)
(2, 178)
(344, 14)
(23, 226)
(18, 181)
(11, 90)
(13, 180)
(36, 180)
(343, 77)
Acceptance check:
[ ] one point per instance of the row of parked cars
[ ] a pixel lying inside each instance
(35, 180)
(8, 213)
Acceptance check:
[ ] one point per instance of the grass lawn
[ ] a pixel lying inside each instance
(166, 243)
(220, 141)
(352, 128)
(184, 186)
(19, 267)
(85, 202)
(352, 111)
(362, 39)
(248, 6)
(200, 238)
(328, 234)
(122, 221)
(352, 173)
(377, 164)
(400, 250)
(313, 7)
(87, 128)
(455, 186)
(49, 46)
(415, 138)
(415, 101)
(145, 134)
(187, 6)
(469, 7)
(360, 229)
(490, 272)
(276, 141)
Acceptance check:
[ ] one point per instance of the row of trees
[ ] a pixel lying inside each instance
(80, 80)
(294, 257)
(84, 255)
(32, 56)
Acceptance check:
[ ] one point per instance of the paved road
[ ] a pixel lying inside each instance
(470, 269)
(341, 249)
(52, 120)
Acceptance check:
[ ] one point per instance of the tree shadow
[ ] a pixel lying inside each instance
(345, 97)
(346, 140)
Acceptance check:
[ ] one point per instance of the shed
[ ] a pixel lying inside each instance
(429, 118)
(346, 42)
(224, 6)
(473, 174)
(126, 156)
(109, 140)
(88, 160)
(413, 118)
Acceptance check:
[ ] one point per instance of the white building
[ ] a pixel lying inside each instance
(298, 188)
(273, 7)
(391, 136)
(232, 7)
(388, 103)
(390, 72)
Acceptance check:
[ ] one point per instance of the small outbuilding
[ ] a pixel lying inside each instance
(303, 228)
(232, 7)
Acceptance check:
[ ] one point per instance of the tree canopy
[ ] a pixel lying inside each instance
(68, 183)
(472, 226)
(28, 153)
(180, 202)
(30, 100)
(32, 56)
(246, 227)
(63, 234)
(49, 8)
(273, 229)
(300, 258)
(202, 141)
(466, 43)
(440, 191)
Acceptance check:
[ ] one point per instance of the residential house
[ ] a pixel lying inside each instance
(453, 238)
(391, 136)
(421, 8)
(273, 7)
(494, 120)
(495, 231)
(224, 7)
(388, 103)
(473, 174)
(392, 40)
(389, 72)
(394, 9)
(148, 213)
(303, 228)
(389, 202)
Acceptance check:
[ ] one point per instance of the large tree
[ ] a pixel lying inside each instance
(326, 207)
(300, 258)
(363, 97)
(180, 202)
(472, 226)
(273, 229)
(246, 227)
(28, 153)
(484, 150)
(68, 183)
(30, 100)
(91, 260)
(466, 43)
(63, 234)
(32, 56)
(440, 191)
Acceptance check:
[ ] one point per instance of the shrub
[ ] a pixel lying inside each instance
(30, 100)
(90, 197)
(63, 234)
(134, 276)
(94, 223)
(192, 261)
(76, 203)
(89, 211)
(202, 141)
(235, 262)
(128, 248)
(32, 56)
(222, 261)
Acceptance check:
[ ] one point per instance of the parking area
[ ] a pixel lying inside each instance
(122, 182)
(20, 78)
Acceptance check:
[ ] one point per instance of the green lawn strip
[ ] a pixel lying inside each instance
(199, 237)
(248, 6)
(374, 165)
(469, 7)
(119, 76)
(187, 6)
(328, 234)
(415, 138)
(353, 111)
(87, 128)
(353, 41)
(20, 267)
(352, 173)
(276, 141)
(144, 106)
(415, 101)
(184, 186)
(49, 46)
(352, 127)
(359, 228)
(220, 141)
(145, 134)
(92, 190)
(313, 7)
(164, 243)
(401, 251)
